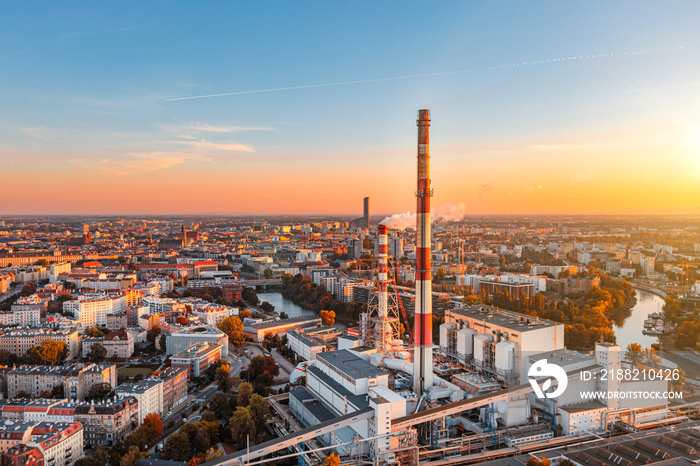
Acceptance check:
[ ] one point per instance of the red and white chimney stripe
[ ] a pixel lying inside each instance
(423, 338)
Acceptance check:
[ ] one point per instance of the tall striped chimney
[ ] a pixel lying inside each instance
(382, 285)
(423, 338)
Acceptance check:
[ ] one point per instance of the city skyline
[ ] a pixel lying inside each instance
(536, 109)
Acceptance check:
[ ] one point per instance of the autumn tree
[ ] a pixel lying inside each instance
(131, 457)
(177, 447)
(94, 332)
(152, 425)
(327, 317)
(633, 354)
(241, 425)
(260, 411)
(223, 378)
(49, 352)
(332, 460)
(220, 406)
(245, 391)
(261, 372)
(233, 327)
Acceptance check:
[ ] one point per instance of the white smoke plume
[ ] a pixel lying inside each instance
(446, 213)
(449, 212)
(400, 221)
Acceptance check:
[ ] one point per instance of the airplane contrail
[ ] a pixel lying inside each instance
(439, 73)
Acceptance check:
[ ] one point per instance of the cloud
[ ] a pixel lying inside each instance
(135, 162)
(555, 147)
(206, 128)
(223, 146)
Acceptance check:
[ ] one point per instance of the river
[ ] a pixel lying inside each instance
(284, 305)
(631, 329)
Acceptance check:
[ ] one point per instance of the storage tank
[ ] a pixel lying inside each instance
(480, 342)
(465, 342)
(446, 330)
(506, 352)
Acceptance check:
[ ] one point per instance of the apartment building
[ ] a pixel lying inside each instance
(109, 421)
(76, 379)
(148, 393)
(174, 386)
(18, 341)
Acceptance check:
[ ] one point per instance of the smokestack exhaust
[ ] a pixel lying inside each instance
(423, 346)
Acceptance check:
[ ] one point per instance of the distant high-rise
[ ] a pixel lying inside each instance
(365, 212)
(362, 222)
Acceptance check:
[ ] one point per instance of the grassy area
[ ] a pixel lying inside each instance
(133, 371)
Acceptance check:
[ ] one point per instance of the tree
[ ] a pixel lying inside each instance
(241, 425)
(267, 273)
(57, 391)
(220, 406)
(327, 317)
(535, 462)
(177, 447)
(99, 391)
(650, 357)
(233, 327)
(243, 313)
(687, 334)
(332, 460)
(7, 358)
(250, 295)
(94, 332)
(181, 320)
(245, 391)
(223, 378)
(100, 454)
(260, 410)
(49, 352)
(131, 457)
(23, 394)
(212, 454)
(89, 461)
(97, 353)
(153, 333)
(28, 290)
(267, 307)
(152, 425)
(633, 354)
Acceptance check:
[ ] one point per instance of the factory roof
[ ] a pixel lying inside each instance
(308, 340)
(350, 364)
(563, 357)
(589, 405)
(358, 401)
(502, 318)
(320, 412)
(661, 447)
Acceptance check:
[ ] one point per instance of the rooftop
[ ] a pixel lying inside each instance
(350, 364)
(502, 318)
